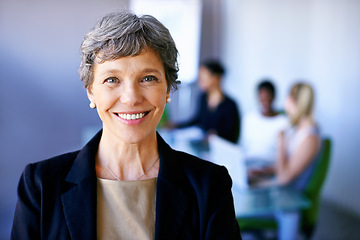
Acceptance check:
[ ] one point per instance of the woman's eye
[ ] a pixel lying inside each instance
(149, 79)
(111, 80)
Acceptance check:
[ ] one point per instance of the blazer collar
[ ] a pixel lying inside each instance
(84, 164)
(79, 201)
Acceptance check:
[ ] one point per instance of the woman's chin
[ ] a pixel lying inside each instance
(135, 136)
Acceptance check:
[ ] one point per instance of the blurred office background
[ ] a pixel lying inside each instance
(44, 108)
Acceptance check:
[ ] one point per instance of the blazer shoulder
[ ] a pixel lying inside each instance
(194, 160)
(202, 171)
(52, 167)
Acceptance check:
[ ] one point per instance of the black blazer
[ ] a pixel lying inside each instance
(57, 198)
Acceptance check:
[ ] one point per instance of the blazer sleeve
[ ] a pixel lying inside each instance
(222, 223)
(27, 211)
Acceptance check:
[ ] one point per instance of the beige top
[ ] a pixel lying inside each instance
(126, 209)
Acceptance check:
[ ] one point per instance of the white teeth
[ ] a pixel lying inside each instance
(131, 116)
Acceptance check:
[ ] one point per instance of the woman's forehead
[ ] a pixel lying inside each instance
(146, 61)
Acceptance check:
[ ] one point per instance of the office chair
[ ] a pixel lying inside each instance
(312, 191)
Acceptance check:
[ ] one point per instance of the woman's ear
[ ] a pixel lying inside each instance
(91, 99)
(90, 95)
(167, 98)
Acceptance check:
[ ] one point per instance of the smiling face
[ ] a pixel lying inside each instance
(130, 95)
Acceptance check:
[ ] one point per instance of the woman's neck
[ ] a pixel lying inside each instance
(270, 113)
(214, 97)
(128, 161)
(305, 122)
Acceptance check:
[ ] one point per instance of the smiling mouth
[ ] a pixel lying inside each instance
(135, 116)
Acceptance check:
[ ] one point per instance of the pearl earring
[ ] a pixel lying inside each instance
(168, 100)
(92, 105)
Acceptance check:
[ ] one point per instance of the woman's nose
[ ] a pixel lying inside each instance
(130, 95)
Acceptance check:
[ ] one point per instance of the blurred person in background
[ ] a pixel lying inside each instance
(216, 113)
(262, 127)
(298, 147)
(126, 183)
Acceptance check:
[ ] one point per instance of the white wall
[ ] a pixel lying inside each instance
(303, 39)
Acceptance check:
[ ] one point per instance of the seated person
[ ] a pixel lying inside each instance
(217, 113)
(261, 128)
(298, 147)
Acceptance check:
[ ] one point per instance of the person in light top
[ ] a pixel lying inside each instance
(297, 147)
(261, 127)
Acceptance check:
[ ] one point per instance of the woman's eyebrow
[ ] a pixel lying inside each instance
(151, 70)
(115, 71)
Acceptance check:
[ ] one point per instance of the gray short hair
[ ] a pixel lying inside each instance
(122, 34)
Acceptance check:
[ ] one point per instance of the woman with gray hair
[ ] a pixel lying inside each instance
(126, 183)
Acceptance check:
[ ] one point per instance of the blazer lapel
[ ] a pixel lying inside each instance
(171, 201)
(79, 196)
(79, 205)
